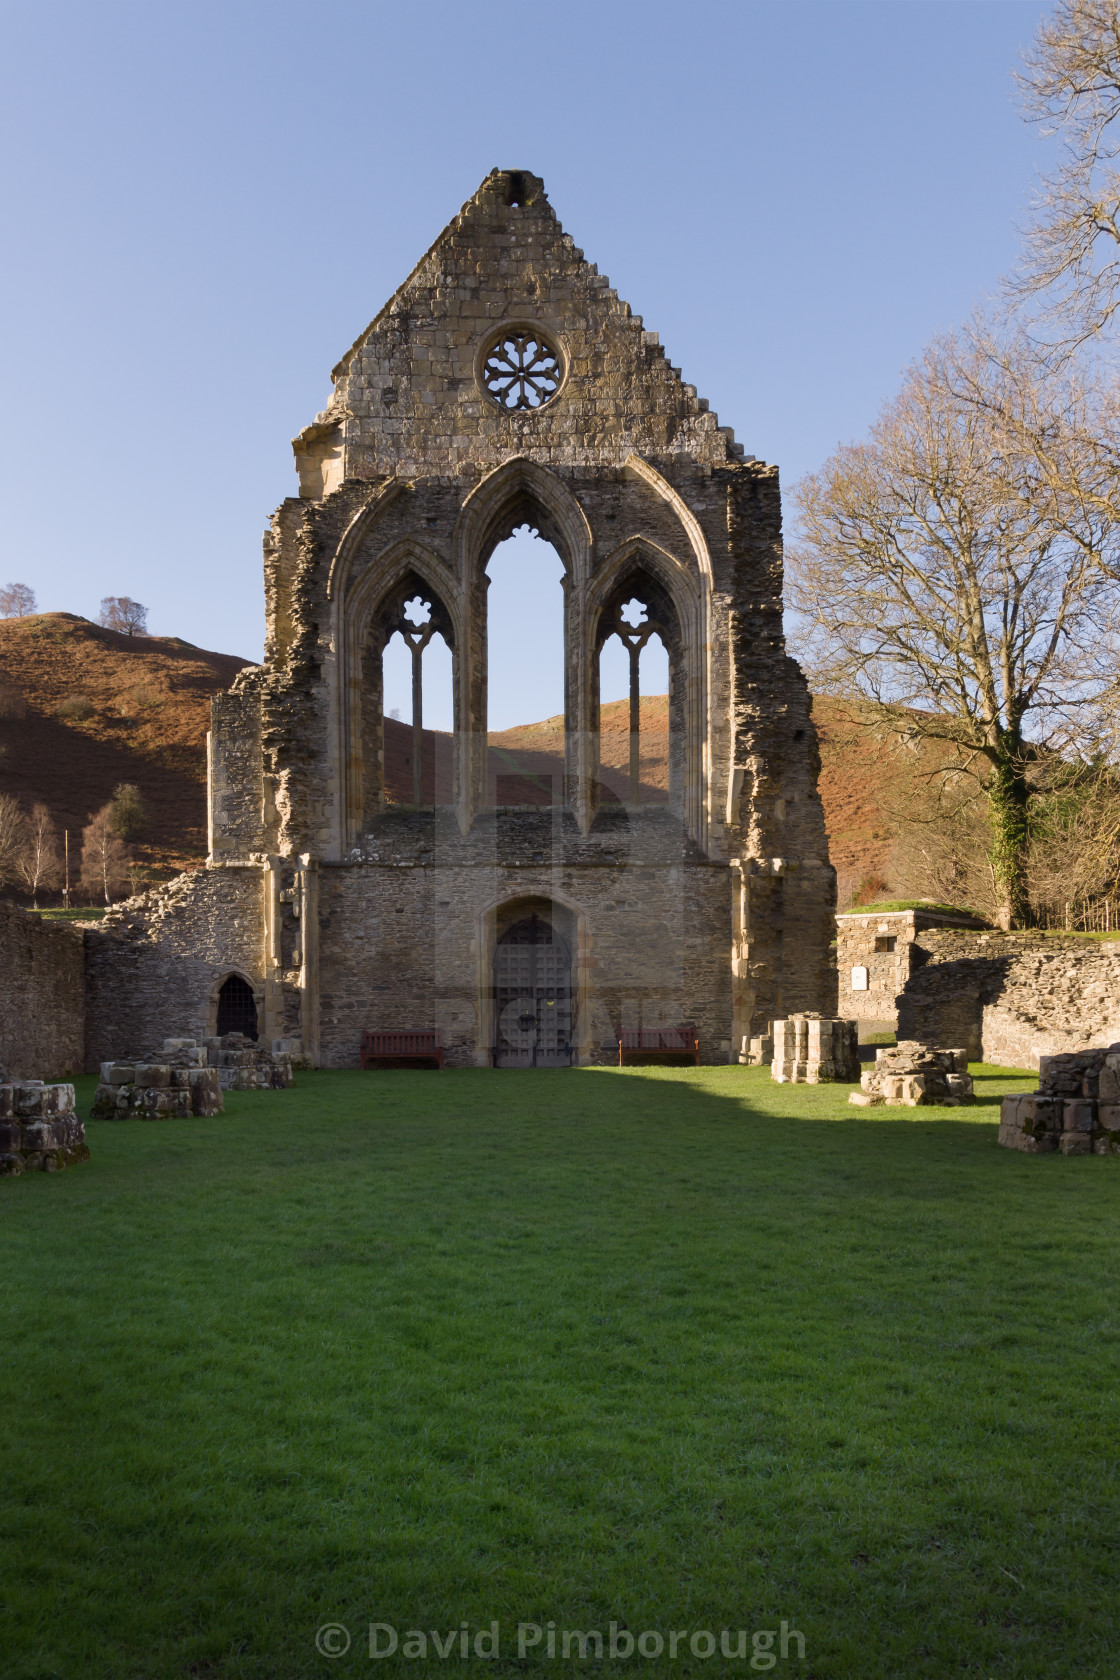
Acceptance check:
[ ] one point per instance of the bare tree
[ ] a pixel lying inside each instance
(105, 857)
(1071, 87)
(17, 600)
(40, 865)
(951, 575)
(13, 839)
(121, 612)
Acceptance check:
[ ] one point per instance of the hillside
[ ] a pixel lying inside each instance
(148, 712)
(148, 702)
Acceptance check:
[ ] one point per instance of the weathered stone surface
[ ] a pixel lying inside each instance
(909, 1075)
(810, 1051)
(42, 1131)
(1011, 998)
(185, 1085)
(1079, 1116)
(1067, 1103)
(42, 995)
(344, 912)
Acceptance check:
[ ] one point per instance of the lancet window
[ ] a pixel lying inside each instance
(401, 765)
(637, 645)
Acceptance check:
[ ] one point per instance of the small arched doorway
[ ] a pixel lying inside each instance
(532, 996)
(237, 1008)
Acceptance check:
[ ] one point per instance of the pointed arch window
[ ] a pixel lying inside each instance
(637, 653)
(410, 636)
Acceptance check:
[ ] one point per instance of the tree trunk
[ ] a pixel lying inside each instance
(1008, 799)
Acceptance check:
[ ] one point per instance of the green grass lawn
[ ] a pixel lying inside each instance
(678, 1349)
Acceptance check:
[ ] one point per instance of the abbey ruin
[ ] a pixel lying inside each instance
(527, 920)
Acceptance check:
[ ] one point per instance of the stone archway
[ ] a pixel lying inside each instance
(237, 1007)
(532, 995)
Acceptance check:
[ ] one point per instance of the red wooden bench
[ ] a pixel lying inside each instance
(662, 1042)
(382, 1049)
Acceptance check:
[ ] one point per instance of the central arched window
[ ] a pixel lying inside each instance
(525, 672)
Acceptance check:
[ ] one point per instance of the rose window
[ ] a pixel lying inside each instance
(522, 370)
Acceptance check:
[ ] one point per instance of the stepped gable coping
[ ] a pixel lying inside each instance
(539, 202)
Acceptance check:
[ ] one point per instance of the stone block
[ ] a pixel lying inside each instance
(28, 1098)
(7, 1101)
(865, 1099)
(206, 1091)
(9, 1137)
(153, 1075)
(111, 1102)
(51, 1134)
(11, 1166)
(1075, 1143)
(1078, 1115)
(162, 1103)
(1012, 1136)
(1108, 1116)
(958, 1060)
(960, 1085)
(1109, 1081)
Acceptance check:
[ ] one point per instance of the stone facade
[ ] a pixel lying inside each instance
(344, 910)
(876, 955)
(42, 996)
(1013, 998)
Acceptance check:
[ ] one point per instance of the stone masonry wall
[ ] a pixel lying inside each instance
(406, 937)
(1013, 998)
(884, 949)
(42, 997)
(154, 965)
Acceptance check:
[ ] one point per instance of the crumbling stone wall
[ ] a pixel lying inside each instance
(42, 995)
(155, 963)
(1013, 998)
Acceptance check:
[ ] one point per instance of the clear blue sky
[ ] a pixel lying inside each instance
(206, 203)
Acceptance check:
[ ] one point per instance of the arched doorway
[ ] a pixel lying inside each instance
(532, 996)
(237, 1007)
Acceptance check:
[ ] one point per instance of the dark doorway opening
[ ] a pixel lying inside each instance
(532, 996)
(237, 1008)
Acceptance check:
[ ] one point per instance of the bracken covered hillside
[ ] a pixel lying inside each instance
(146, 701)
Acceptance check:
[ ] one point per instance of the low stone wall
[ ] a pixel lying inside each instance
(1076, 1108)
(42, 995)
(1013, 998)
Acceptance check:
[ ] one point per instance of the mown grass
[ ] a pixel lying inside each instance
(680, 1349)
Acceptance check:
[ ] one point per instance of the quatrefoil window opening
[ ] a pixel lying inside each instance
(521, 371)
